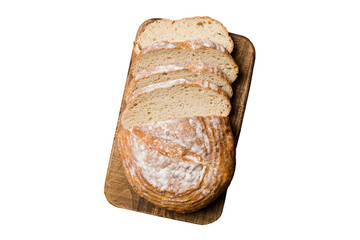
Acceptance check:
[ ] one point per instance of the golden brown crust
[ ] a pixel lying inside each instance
(182, 164)
(206, 18)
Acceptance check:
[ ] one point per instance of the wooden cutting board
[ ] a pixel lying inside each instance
(117, 189)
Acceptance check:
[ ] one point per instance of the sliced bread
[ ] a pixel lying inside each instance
(183, 53)
(174, 99)
(191, 72)
(195, 28)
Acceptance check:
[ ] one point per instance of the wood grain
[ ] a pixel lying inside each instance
(117, 189)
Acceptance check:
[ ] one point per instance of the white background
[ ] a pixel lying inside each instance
(63, 66)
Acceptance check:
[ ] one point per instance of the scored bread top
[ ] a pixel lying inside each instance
(180, 164)
(190, 52)
(194, 28)
(193, 71)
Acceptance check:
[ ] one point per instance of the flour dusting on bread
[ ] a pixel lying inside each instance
(181, 177)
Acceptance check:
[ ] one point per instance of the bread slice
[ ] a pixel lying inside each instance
(175, 99)
(191, 72)
(195, 28)
(165, 53)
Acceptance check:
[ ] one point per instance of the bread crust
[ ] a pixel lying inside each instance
(196, 67)
(182, 164)
(205, 18)
(186, 45)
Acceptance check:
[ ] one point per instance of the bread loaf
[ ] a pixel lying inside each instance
(180, 164)
(192, 72)
(182, 30)
(175, 140)
(183, 53)
(174, 99)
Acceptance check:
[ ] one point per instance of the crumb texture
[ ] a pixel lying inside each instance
(175, 99)
(185, 53)
(192, 72)
(182, 30)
